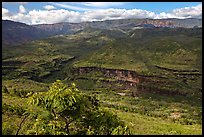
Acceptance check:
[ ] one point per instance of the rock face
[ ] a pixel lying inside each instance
(130, 79)
(160, 23)
(128, 76)
(123, 75)
(173, 23)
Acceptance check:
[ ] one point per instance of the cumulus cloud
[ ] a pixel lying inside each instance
(22, 9)
(110, 14)
(188, 12)
(53, 16)
(63, 15)
(49, 7)
(44, 16)
(5, 14)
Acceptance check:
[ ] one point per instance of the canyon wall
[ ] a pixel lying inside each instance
(131, 80)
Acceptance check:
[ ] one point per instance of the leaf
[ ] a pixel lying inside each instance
(74, 98)
(37, 101)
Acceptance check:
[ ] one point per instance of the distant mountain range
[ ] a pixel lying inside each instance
(167, 57)
(14, 33)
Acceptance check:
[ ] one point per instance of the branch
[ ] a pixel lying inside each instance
(53, 112)
(67, 121)
(21, 124)
(67, 124)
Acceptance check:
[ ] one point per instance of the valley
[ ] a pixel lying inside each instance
(150, 77)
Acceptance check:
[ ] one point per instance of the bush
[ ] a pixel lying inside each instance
(12, 91)
(4, 89)
(65, 110)
(14, 109)
(20, 92)
(7, 130)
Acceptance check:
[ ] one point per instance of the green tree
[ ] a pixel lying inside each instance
(65, 110)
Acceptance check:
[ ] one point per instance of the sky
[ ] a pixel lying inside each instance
(54, 12)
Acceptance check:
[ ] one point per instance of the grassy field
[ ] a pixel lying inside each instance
(144, 125)
(146, 114)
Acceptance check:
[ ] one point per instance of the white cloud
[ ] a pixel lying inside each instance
(49, 7)
(22, 9)
(182, 13)
(102, 4)
(110, 14)
(53, 16)
(5, 11)
(63, 15)
(164, 15)
(70, 6)
(5, 14)
(188, 12)
(87, 6)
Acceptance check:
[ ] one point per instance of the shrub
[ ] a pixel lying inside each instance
(65, 110)
(12, 91)
(14, 109)
(4, 89)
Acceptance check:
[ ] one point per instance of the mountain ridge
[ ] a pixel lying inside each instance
(14, 33)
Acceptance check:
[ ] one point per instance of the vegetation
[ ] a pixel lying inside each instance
(171, 59)
(64, 110)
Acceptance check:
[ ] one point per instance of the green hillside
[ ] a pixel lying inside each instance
(158, 47)
(169, 59)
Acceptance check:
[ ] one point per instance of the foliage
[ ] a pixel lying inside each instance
(26, 85)
(14, 109)
(151, 113)
(4, 89)
(65, 110)
(187, 108)
(145, 125)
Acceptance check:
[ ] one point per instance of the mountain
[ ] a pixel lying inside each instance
(173, 23)
(14, 32)
(127, 24)
(59, 28)
(148, 46)
(144, 71)
(140, 50)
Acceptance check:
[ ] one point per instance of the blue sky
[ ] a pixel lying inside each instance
(94, 11)
(150, 6)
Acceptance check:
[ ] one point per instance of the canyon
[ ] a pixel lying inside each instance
(129, 79)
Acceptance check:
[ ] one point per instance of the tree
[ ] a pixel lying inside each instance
(65, 110)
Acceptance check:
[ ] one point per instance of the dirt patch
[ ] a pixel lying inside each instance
(175, 115)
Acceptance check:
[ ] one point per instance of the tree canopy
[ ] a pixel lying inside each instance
(64, 110)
